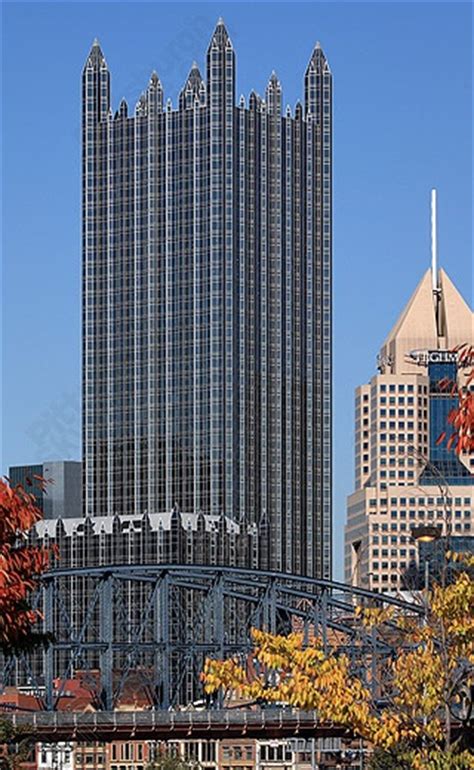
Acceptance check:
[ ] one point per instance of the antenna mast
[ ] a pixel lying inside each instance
(434, 266)
(434, 244)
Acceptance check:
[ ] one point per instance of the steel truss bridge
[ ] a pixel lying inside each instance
(140, 634)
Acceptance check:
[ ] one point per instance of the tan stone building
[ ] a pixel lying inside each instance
(402, 478)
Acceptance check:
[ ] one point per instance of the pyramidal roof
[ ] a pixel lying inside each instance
(458, 316)
(431, 320)
(417, 314)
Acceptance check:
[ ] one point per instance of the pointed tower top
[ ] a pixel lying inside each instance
(95, 57)
(317, 57)
(419, 327)
(220, 37)
(193, 89)
(194, 77)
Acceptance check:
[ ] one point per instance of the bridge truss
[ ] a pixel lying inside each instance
(145, 631)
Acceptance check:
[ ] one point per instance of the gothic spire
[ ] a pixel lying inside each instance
(316, 71)
(95, 57)
(220, 37)
(317, 58)
(194, 88)
(220, 63)
(273, 94)
(95, 84)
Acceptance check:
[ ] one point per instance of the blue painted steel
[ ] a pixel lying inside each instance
(148, 628)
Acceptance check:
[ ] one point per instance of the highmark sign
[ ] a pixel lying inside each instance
(425, 357)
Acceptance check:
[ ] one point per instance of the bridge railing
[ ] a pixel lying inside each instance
(223, 719)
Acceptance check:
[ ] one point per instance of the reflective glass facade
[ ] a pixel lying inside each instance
(207, 241)
(442, 401)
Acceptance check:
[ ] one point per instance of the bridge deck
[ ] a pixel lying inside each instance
(169, 725)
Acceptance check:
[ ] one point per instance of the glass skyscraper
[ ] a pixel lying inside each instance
(207, 304)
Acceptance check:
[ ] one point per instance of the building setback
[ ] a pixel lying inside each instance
(207, 305)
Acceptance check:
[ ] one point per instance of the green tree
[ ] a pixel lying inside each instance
(16, 746)
(169, 761)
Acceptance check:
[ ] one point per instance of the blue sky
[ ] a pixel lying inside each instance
(402, 124)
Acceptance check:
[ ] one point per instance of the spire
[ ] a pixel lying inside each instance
(316, 73)
(434, 245)
(193, 89)
(154, 94)
(220, 67)
(255, 101)
(96, 83)
(273, 95)
(140, 107)
(220, 37)
(122, 111)
(317, 57)
(436, 288)
(95, 57)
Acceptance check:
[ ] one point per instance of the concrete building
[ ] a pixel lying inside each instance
(62, 498)
(207, 242)
(402, 477)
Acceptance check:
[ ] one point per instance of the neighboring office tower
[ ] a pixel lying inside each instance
(403, 407)
(62, 498)
(207, 305)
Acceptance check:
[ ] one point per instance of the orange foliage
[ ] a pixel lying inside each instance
(461, 418)
(21, 565)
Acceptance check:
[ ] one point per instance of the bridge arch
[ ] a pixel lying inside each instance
(144, 631)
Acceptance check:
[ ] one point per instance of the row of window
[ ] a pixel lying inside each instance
(383, 502)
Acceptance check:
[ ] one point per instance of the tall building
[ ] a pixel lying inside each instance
(62, 498)
(403, 477)
(207, 240)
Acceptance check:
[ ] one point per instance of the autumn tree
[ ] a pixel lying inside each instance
(420, 690)
(460, 430)
(21, 567)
